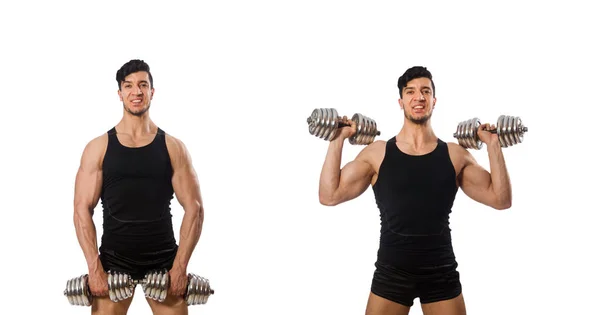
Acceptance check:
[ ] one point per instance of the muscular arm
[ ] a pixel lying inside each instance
(88, 183)
(490, 188)
(187, 192)
(340, 185)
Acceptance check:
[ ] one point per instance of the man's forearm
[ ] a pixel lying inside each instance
(499, 173)
(191, 228)
(86, 236)
(330, 173)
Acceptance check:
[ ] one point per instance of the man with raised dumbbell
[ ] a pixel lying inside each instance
(415, 177)
(135, 168)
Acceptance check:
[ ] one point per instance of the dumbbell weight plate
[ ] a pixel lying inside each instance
(323, 123)
(77, 291)
(466, 133)
(510, 130)
(366, 130)
(472, 133)
(156, 285)
(120, 286)
(198, 290)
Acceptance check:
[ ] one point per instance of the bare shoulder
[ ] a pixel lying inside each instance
(177, 149)
(173, 142)
(94, 151)
(373, 153)
(459, 156)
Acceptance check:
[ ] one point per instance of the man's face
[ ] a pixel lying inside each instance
(417, 100)
(136, 93)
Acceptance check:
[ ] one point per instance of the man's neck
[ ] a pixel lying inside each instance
(136, 125)
(416, 135)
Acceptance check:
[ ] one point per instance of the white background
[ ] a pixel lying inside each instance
(235, 80)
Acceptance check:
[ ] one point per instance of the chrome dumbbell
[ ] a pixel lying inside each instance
(155, 285)
(324, 123)
(120, 287)
(510, 132)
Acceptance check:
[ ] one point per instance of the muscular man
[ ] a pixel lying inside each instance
(135, 168)
(415, 177)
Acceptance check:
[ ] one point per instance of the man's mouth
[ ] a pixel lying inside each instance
(418, 109)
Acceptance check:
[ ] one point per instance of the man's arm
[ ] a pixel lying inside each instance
(88, 184)
(490, 188)
(340, 185)
(187, 192)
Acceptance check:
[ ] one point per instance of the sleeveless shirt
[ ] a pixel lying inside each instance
(415, 194)
(136, 196)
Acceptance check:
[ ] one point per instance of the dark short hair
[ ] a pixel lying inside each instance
(132, 66)
(414, 73)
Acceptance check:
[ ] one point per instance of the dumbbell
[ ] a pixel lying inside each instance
(510, 132)
(155, 285)
(324, 123)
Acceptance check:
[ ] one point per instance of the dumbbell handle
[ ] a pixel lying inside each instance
(341, 123)
(494, 131)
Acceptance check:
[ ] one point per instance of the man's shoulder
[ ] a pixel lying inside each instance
(376, 145)
(373, 153)
(459, 154)
(172, 141)
(98, 142)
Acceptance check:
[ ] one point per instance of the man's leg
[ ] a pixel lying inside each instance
(455, 306)
(102, 305)
(377, 305)
(172, 305)
(441, 292)
(393, 291)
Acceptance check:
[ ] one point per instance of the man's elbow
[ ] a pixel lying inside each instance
(195, 208)
(503, 204)
(327, 200)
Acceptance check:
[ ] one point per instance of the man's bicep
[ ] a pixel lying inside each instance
(88, 181)
(185, 179)
(475, 181)
(355, 178)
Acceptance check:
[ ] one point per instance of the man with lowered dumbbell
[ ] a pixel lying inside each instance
(135, 168)
(415, 177)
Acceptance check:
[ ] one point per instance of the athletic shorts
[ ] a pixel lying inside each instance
(138, 265)
(431, 284)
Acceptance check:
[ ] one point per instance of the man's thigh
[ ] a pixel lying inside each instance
(102, 305)
(454, 306)
(376, 305)
(172, 305)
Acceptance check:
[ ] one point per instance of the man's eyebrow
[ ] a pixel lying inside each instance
(412, 88)
(142, 81)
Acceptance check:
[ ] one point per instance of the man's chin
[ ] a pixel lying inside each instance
(139, 112)
(420, 120)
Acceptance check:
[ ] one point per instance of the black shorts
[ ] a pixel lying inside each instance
(138, 265)
(428, 284)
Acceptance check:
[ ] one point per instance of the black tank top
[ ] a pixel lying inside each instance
(136, 197)
(415, 195)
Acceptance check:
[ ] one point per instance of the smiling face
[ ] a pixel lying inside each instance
(417, 100)
(136, 93)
